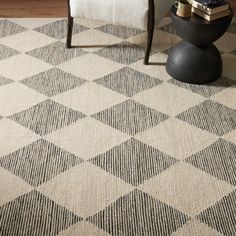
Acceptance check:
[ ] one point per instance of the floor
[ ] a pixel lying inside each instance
(41, 8)
(93, 142)
(33, 8)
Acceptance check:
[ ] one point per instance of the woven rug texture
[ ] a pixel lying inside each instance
(94, 143)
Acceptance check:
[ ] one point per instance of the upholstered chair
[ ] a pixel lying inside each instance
(140, 14)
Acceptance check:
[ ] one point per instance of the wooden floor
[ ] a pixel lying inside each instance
(33, 8)
(42, 8)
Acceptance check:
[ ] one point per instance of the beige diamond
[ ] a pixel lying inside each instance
(231, 137)
(226, 43)
(156, 68)
(14, 136)
(83, 229)
(87, 138)
(22, 66)
(169, 99)
(85, 189)
(26, 41)
(227, 97)
(177, 138)
(187, 188)
(195, 228)
(161, 40)
(11, 187)
(32, 23)
(90, 66)
(229, 68)
(89, 98)
(16, 97)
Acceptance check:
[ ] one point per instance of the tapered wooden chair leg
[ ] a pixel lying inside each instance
(69, 31)
(150, 30)
(149, 46)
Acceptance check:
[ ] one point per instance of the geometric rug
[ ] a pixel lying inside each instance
(94, 143)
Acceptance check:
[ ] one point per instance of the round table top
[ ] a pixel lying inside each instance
(195, 19)
(197, 30)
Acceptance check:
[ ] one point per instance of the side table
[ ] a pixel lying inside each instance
(196, 59)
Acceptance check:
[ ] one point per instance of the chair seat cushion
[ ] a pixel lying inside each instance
(131, 13)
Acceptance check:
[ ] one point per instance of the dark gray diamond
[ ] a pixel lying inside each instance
(53, 81)
(128, 81)
(39, 162)
(206, 90)
(169, 28)
(211, 116)
(56, 53)
(4, 81)
(130, 117)
(232, 28)
(46, 117)
(124, 52)
(222, 215)
(34, 214)
(218, 159)
(6, 52)
(119, 31)
(58, 29)
(167, 51)
(9, 28)
(139, 214)
(133, 161)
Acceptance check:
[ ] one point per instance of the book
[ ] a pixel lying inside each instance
(210, 17)
(210, 10)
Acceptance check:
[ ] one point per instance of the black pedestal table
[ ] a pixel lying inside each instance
(196, 59)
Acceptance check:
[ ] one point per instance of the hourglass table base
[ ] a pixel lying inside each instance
(196, 60)
(194, 64)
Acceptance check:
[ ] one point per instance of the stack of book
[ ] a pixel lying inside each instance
(211, 9)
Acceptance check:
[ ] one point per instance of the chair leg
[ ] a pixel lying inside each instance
(150, 30)
(69, 31)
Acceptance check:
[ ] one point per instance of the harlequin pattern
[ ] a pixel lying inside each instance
(92, 142)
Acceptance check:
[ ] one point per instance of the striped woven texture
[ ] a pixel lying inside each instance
(94, 143)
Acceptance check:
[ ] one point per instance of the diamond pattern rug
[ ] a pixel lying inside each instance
(94, 143)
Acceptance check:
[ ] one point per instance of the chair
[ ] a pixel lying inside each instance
(140, 14)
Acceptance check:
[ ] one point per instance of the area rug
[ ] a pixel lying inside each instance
(94, 143)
